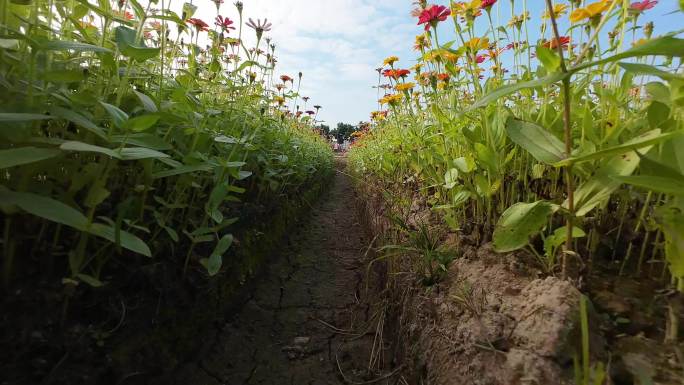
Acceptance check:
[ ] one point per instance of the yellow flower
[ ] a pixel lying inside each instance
(590, 11)
(390, 61)
(391, 99)
(460, 8)
(422, 43)
(475, 44)
(441, 85)
(404, 86)
(450, 57)
(517, 21)
(417, 67)
(558, 10)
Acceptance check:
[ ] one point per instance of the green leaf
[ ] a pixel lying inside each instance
(25, 155)
(46, 208)
(188, 10)
(141, 123)
(135, 153)
(146, 101)
(245, 64)
(672, 218)
(21, 117)
(85, 147)
(183, 170)
(118, 117)
(666, 185)
(511, 88)
(645, 69)
(59, 45)
(598, 188)
(79, 120)
(213, 264)
(540, 143)
(451, 178)
(548, 58)
(519, 222)
(128, 240)
(90, 280)
(559, 236)
(647, 139)
(126, 41)
(143, 140)
(487, 157)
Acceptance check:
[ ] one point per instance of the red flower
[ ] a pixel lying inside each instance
(285, 78)
(433, 15)
(395, 74)
(553, 44)
(443, 77)
(514, 45)
(224, 23)
(401, 73)
(199, 24)
(641, 6)
(486, 4)
(479, 59)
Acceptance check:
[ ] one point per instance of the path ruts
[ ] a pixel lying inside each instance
(306, 321)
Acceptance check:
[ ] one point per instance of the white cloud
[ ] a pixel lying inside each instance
(337, 44)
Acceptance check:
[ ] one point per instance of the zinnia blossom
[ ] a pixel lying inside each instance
(224, 23)
(558, 11)
(640, 6)
(487, 4)
(259, 26)
(390, 61)
(554, 43)
(285, 78)
(433, 15)
(591, 11)
(404, 86)
(198, 23)
(391, 99)
(475, 44)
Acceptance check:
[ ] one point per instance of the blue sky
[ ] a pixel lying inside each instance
(337, 44)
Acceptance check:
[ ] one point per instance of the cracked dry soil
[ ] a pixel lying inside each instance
(308, 321)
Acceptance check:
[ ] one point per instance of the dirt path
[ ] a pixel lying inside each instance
(306, 321)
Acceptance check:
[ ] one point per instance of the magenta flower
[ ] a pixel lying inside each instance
(224, 23)
(433, 15)
(641, 6)
(486, 4)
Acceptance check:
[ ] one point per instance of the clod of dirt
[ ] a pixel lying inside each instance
(488, 324)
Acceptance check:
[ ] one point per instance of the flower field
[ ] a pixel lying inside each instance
(155, 161)
(564, 143)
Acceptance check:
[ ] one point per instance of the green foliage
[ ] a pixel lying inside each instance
(116, 141)
(570, 135)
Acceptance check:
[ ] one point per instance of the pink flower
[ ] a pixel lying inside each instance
(224, 23)
(641, 6)
(486, 4)
(480, 58)
(433, 15)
